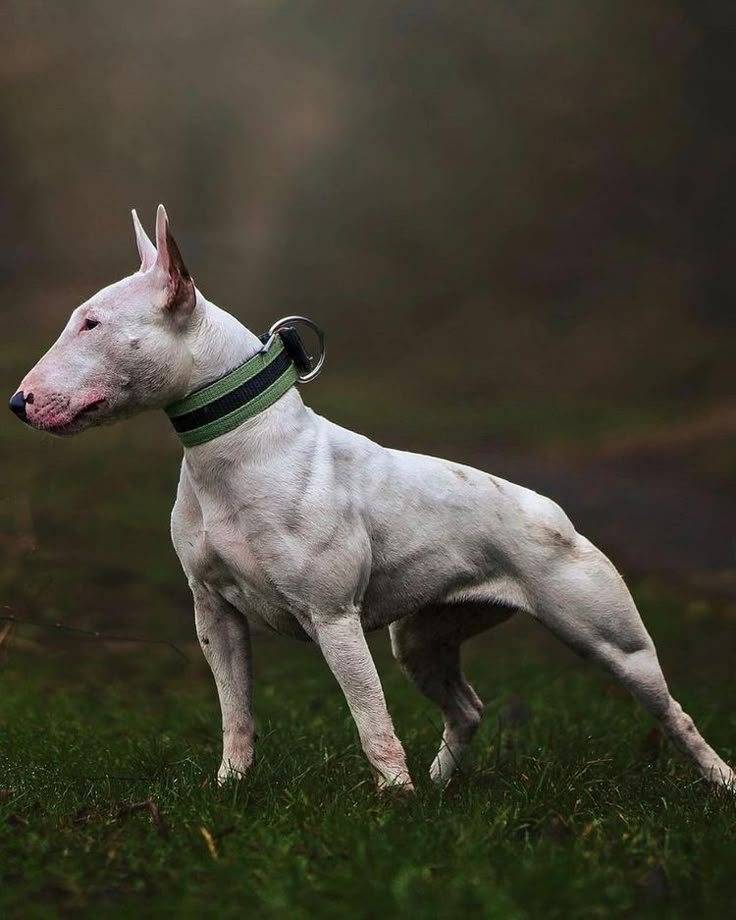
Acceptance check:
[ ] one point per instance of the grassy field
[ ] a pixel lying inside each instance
(570, 807)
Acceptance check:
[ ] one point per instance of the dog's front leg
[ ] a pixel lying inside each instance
(225, 640)
(346, 651)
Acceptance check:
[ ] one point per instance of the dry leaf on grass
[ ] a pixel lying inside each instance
(152, 808)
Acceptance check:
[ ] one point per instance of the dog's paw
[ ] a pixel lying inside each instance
(400, 783)
(725, 778)
(442, 774)
(230, 772)
(444, 767)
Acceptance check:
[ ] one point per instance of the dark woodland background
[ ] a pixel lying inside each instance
(516, 222)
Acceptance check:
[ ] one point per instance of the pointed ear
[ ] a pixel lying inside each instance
(181, 294)
(146, 249)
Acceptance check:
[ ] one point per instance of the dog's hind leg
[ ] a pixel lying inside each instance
(581, 598)
(427, 647)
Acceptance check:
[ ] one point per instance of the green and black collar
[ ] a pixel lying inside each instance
(248, 390)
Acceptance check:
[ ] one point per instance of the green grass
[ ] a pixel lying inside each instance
(577, 811)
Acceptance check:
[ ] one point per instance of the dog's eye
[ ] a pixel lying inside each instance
(90, 323)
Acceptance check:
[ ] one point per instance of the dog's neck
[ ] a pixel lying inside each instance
(219, 344)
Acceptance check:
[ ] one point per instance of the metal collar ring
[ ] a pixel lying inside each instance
(290, 321)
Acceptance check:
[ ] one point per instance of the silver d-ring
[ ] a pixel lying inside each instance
(289, 321)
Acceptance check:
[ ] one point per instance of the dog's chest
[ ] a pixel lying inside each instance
(227, 564)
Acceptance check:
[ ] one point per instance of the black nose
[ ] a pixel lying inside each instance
(18, 404)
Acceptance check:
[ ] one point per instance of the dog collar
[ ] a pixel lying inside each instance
(250, 389)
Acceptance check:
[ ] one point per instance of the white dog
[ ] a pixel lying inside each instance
(321, 534)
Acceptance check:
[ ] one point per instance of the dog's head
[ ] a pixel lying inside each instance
(124, 350)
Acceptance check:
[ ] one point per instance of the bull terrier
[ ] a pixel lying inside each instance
(283, 517)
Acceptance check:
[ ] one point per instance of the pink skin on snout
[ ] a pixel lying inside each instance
(68, 385)
(55, 412)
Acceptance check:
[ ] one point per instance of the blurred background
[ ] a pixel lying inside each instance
(515, 221)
